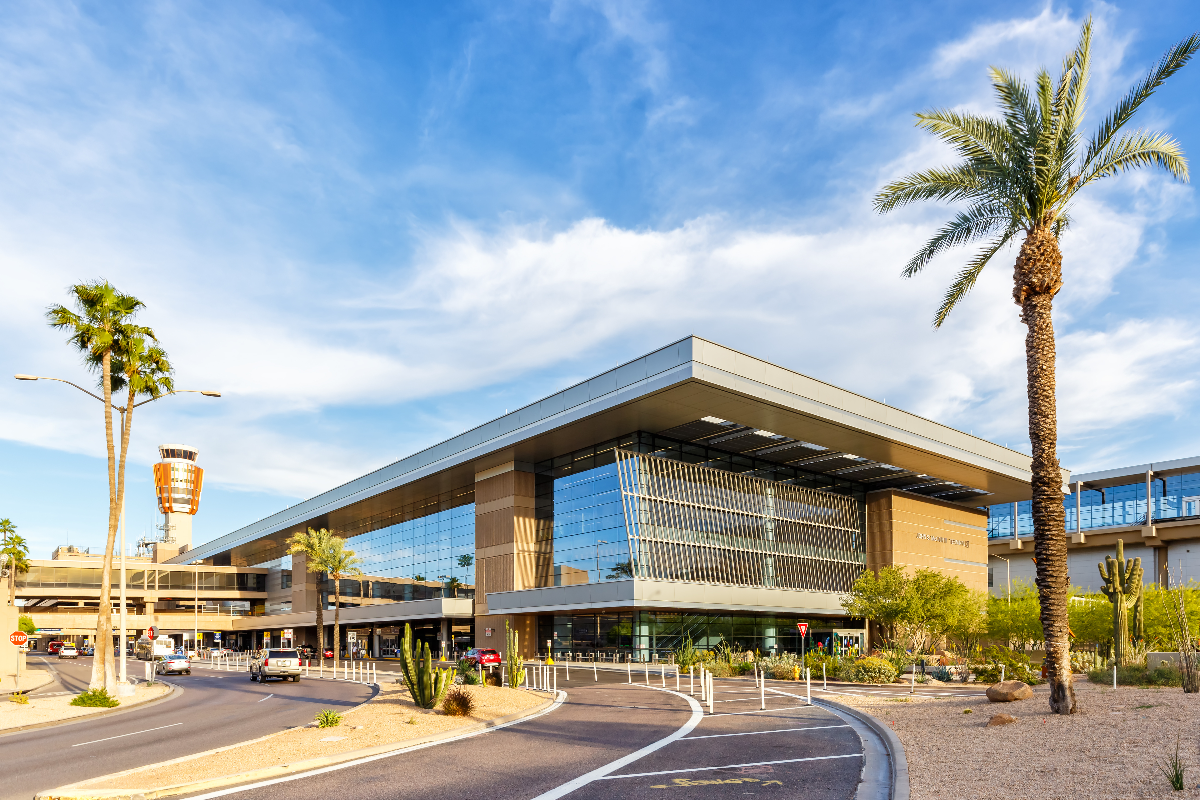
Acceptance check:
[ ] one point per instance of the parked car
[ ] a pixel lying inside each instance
(53, 647)
(275, 664)
(306, 653)
(67, 650)
(482, 655)
(88, 650)
(328, 653)
(173, 663)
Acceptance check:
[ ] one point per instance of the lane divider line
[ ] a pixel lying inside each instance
(123, 735)
(268, 697)
(730, 766)
(756, 733)
(757, 711)
(601, 773)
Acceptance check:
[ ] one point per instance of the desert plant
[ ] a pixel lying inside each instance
(20, 698)
(458, 702)
(426, 683)
(1135, 675)
(95, 698)
(328, 719)
(1181, 633)
(1016, 667)
(1123, 588)
(1173, 770)
(870, 670)
(686, 655)
(512, 656)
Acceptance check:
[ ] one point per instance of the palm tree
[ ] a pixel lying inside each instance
(310, 545)
(14, 552)
(93, 327)
(1019, 174)
(339, 562)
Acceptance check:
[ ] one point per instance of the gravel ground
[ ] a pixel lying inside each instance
(390, 717)
(54, 709)
(1112, 748)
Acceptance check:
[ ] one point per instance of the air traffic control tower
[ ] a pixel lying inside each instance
(178, 481)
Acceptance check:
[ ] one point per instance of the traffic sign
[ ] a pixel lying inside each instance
(150, 632)
(287, 633)
(217, 636)
(19, 638)
(803, 628)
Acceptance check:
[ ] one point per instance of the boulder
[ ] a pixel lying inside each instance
(1001, 719)
(1008, 691)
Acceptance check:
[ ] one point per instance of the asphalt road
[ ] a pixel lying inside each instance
(214, 709)
(790, 750)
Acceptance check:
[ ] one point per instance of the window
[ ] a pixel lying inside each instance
(1191, 506)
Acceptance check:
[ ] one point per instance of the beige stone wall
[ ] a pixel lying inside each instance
(916, 532)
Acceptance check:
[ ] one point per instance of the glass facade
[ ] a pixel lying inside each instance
(145, 579)
(696, 514)
(1172, 497)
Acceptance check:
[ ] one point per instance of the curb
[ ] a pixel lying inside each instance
(175, 690)
(69, 792)
(898, 763)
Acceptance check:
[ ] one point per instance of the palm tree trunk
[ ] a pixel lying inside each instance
(1038, 277)
(103, 668)
(320, 615)
(337, 632)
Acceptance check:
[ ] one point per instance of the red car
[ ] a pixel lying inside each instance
(484, 656)
(54, 647)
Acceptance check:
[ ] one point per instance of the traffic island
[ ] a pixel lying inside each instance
(389, 722)
(44, 711)
(1114, 747)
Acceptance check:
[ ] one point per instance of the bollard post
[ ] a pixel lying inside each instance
(663, 675)
(824, 682)
(762, 693)
(554, 688)
(567, 667)
(1114, 676)
(808, 683)
(595, 675)
(647, 673)
(912, 683)
(1002, 666)
(629, 672)
(526, 677)
(677, 677)
(692, 680)
(710, 691)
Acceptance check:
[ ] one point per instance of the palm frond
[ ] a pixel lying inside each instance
(1139, 149)
(1171, 62)
(944, 183)
(1016, 105)
(967, 226)
(976, 138)
(966, 278)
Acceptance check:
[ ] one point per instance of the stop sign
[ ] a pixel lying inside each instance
(803, 628)
(19, 638)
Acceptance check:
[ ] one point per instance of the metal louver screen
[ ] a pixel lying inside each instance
(692, 523)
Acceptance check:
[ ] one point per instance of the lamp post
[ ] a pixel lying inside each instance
(123, 411)
(602, 541)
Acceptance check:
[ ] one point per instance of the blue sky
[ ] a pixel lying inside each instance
(375, 225)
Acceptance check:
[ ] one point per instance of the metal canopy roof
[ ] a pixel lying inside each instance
(692, 389)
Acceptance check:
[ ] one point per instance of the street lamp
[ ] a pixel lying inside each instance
(123, 410)
(602, 541)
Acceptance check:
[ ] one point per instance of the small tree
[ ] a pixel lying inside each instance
(969, 621)
(880, 597)
(340, 562)
(311, 545)
(25, 624)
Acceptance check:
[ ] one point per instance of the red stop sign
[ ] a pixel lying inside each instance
(19, 638)
(803, 628)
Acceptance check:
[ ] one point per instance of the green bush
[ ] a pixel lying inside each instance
(1165, 675)
(870, 670)
(95, 698)
(328, 719)
(1016, 667)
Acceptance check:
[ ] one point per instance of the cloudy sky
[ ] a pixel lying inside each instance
(375, 225)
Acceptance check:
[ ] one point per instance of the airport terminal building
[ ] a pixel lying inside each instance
(696, 491)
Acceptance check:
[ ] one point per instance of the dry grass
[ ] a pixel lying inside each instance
(390, 717)
(1113, 748)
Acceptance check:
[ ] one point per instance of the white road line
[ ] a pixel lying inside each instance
(756, 733)
(759, 711)
(123, 735)
(562, 698)
(268, 697)
(730, 766)
(601, 772)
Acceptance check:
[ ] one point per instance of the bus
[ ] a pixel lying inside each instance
(148, 649)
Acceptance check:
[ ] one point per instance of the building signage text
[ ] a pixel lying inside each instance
(943, 539)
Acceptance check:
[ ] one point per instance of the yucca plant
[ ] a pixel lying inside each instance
(426, 683)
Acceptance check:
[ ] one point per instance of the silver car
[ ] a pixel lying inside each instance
(173, 664)
(275, 664)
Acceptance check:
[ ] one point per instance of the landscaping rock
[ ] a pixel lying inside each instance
(1001, 719)
(1008, 691)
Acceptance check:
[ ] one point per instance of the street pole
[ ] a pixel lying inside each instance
(123, 581)
(196, 609)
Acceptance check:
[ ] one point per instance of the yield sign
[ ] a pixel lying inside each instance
(19, 638)
(803, 628)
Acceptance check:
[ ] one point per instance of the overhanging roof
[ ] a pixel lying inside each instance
(669, 390)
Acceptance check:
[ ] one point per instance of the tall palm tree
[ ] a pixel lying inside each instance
(339, 562)
(1019, 175)
(311, 545)
(93, 327)
(14, 554)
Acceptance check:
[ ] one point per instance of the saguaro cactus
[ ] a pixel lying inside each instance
(426, 683)
(512, 656)
(1123, 588)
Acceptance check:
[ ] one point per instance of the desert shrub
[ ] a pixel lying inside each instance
(1164, 675)
(870, 670)
(721, 669)
(458, 702)
(1016, 667)
(328, 719)
(20, 698)
(783, 672)
(95, 698)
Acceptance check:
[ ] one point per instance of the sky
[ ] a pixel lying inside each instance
(372, 226)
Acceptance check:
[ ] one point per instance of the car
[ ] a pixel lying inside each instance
(68, 651)
(88, 650)
(282, 664)
(53, 647)
(173, 663)
(328, 653)
(482, 656)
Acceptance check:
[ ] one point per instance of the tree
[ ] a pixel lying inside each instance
(25, 623)
(880, 598)
(1019, 175)
(311, 545)
(339, 562)
(969, 619)
(1016, 620)
(100, 314)
(14, 555)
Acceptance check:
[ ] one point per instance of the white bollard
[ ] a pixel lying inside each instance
(664, 676)
(1002, 666)
(567, 667)
(629, 672)
(710, 692)
(647, 673)
(762, 693)
(526, 676)
(692, 680)
(677, 677)
(808, 683)
(912, 683)
(824, 682)
(554, 688)
(1114, 676)
(595, 675)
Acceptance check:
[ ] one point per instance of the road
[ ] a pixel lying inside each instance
(214, 709)
(670, 749)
